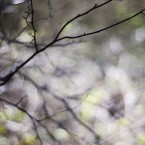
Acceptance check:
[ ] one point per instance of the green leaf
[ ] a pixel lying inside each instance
(141, 139)
(3, 130)
(61, 134)
(94, 97)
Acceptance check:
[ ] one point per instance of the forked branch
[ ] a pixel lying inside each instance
(6, 78)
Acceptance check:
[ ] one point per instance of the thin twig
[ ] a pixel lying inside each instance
(5, 79)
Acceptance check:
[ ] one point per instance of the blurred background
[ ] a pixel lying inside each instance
(86, 91)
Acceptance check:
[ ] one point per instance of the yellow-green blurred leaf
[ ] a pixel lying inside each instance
(95, 96)
(61, 134)
(29, 139)
(18, 116)
(13, 114)
(141, 139)
(40, 32)
(86, 111)
(2, 116)
(67, 28)
(3, 130)
(122, 122)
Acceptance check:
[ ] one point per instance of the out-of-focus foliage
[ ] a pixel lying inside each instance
(101, 77)
(141, 139)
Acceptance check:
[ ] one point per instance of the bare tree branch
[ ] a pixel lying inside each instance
(103, 29)
(5, 79)
(80, 15)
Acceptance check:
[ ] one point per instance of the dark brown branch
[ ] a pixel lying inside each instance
(103, 29)
(32, 24)
(70, 110)
(5, 79)
(33, 119)
(24, 111)
(80, 15)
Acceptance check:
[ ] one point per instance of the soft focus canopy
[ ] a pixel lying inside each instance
(7, 6)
